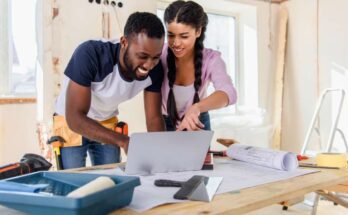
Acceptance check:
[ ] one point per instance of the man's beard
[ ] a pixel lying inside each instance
(130, 72)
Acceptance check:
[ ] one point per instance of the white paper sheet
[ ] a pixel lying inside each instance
(263, 156)
(236, 175)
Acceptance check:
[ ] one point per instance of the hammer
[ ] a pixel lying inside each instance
(57, 142)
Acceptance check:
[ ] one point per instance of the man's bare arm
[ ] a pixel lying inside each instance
(78, 101)
(153, 113)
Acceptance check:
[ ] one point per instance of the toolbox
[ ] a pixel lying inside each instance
(52, 200)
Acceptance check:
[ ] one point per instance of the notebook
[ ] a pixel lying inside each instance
(160, 152)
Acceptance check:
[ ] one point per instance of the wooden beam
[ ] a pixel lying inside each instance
(274, 1)
(279, 78)
(278, 1)
(17, 100)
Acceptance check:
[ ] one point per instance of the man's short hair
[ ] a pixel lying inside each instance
(144, 22)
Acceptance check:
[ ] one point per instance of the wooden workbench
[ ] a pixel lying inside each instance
(252, 198)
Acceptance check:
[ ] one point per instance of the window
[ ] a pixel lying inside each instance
(232, 31)
(236, 38)
(18, 55)
(220, 36)
(220, 26)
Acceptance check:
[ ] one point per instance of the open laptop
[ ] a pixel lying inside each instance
(159, 152)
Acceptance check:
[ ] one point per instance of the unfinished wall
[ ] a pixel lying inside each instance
(306, 75)
(71, 26)
(78, 21)
(68, 23)
(65, 24)
(17, 132)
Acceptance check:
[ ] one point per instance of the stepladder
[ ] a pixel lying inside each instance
(328, 146)
(313, 126)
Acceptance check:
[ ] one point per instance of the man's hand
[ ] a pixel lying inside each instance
(191, 120)
(123, 142)
(78, 101)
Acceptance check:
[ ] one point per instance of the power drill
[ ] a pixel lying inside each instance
(28, 163)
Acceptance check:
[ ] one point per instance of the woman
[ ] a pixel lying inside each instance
(189, 67)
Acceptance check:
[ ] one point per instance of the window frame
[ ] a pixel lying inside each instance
(4, 41)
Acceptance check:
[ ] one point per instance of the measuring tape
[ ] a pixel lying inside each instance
(332, 160)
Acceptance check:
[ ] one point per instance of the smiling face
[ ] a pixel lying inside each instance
(181, 38)
(139, 54)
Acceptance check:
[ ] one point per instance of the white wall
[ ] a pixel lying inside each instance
(17, 132)
(303, 81)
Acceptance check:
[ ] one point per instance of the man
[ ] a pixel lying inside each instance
(100, 76)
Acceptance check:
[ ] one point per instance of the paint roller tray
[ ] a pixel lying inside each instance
(60, 184)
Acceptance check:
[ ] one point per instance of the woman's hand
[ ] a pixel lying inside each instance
(191, 120)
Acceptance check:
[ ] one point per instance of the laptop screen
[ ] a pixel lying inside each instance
(159, 152)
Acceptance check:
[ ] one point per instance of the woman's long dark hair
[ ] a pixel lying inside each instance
(192, 14)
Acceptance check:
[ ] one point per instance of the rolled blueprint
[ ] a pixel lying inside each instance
(264, 157)
(98, 184)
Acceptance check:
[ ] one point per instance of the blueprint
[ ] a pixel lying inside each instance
(263, 156)
(236, 175)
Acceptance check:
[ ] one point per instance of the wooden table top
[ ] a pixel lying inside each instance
(249, 199)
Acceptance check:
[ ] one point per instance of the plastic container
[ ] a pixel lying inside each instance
(60, 184)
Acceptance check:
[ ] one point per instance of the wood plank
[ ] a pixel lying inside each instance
(253, 198)
(342, 188)
(291, 202)
(17, 100)
(247, 199)
(278, 1)
(279, 78)
(274, 1)
(89, 168)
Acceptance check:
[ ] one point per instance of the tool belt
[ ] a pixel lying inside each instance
(61, 128)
